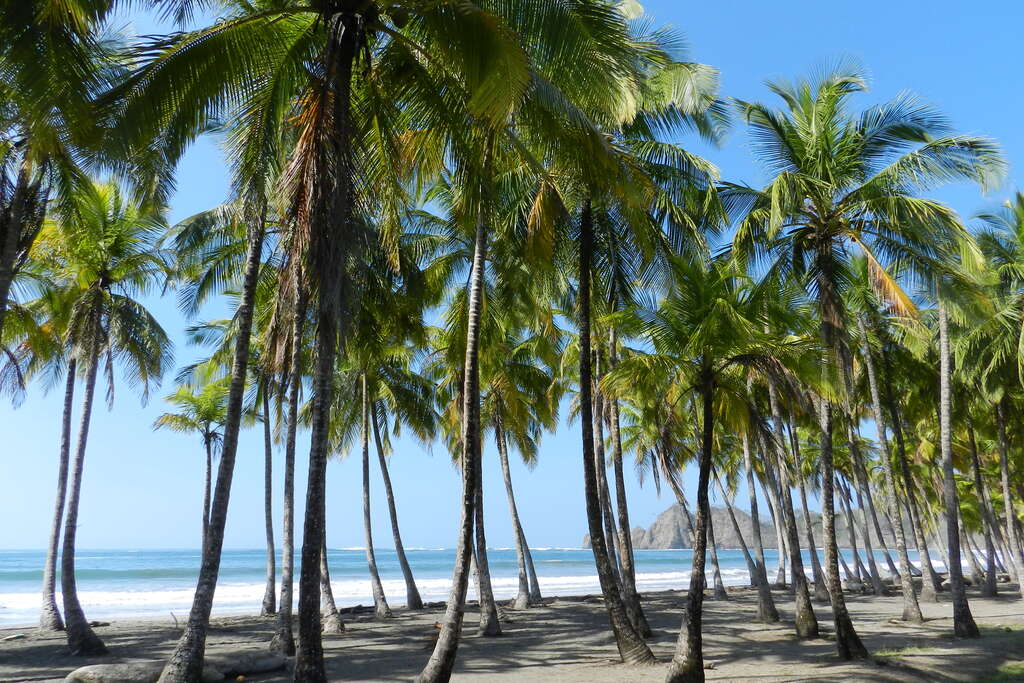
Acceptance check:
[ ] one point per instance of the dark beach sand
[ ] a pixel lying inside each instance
(568, 640)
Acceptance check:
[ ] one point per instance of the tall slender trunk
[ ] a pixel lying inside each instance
(629, 593)
(755, 520)
(673, 483)
(977, 573)
(412, 594)
(753, 568)
(283, 641)
(720, 592)
(806, 621)
(442, 659)
(990, 586)
(330, 619)
(49, 618)
(489, 625)
(380, 602)
(869, 551)
(331, 206)
(930, 582)
(851, 524)
(848, 643)
(911, 608)
(1012, 541)
(207, 488)
(817, 573)
(631, 646)
(270, 593)
(688, 661)
(771, 496)
(963, 621)
(602, 483)
(522, 600)
(82, 641)
(186, 662)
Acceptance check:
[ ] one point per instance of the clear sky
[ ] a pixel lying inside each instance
(143, 489)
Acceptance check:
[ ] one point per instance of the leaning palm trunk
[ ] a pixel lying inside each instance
(1012, 540)
(820, 582)
(911, 608)
(753, 568)
(963, 621)
(330, 619)
(380, 602)
(442, 660)
(631, 646)
(989, 588)
(848, 643)
(283, 640)
(720, 592)
(207, 487)
(771, 497)
(412, 594)
(629, 593)
(186, 662)
(82, 641)
(755, 522)
(50, 619)
(269, 594)
(604, 492)
(331, 205)
(806, 621)
(688, 661)
(489, 623)
(859, 572)
(522, 600)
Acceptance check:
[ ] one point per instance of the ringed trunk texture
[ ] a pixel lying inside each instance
(631, 646)
(49, 618)
(442, 660)
(688, 662)
(270, 593)
(82, 641)
(412, 594)
(963, 620)
(283, 640)
(380, 601)
(330, 205)
(186, 662)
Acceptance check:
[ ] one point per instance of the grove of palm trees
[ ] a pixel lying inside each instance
(491, 231)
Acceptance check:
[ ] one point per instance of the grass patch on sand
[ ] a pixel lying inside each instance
(1011, 671)
(886, 653)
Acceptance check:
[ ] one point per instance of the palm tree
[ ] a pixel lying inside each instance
(102, 255)
(201, 413)
(844, 184)
(54, 58)
(710, 323)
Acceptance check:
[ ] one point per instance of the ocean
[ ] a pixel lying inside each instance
(126, 584)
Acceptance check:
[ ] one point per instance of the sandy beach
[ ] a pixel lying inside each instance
(568, 640)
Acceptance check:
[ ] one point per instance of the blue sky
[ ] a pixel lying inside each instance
(143, 489)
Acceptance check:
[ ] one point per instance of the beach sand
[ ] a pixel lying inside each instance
(568, 640)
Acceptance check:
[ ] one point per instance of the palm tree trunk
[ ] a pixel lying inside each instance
(283, 641)
(967, 548)
(720, 592)
(989, 586)
(851, 525)
(688, 662)
(522, 600)
(82, 641)
(207, 487)
(1013, 549)
(186, 662)
(270, 593)
(331, 199)
(489, 625)
(50, 619)
(412, 594)
(753, 568)
(602, 482)
(963, 621)
(755, 519)
(442, 660)
(806, 621)
(911, 608)
(930, 583)
(631, 646)
(771, 496)
(848, 643)
(670, 477)
(629, 593)
(820, 581)
(380, 602)
(330, 619)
